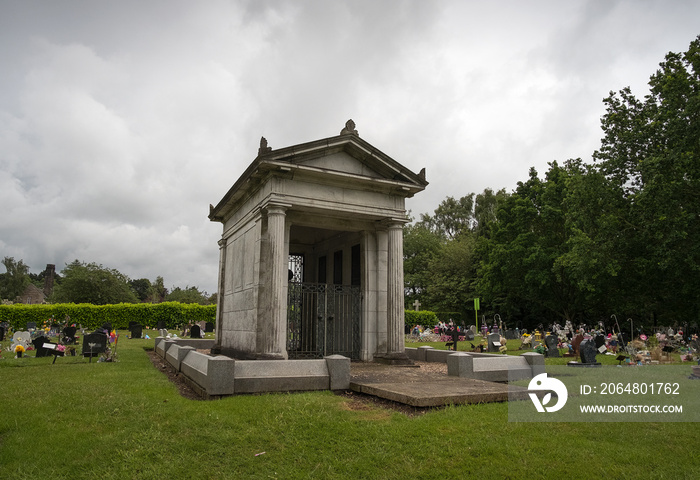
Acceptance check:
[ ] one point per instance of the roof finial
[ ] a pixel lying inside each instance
(349, 128)
(263, 147)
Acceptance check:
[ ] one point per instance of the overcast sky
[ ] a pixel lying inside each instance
(121, 121)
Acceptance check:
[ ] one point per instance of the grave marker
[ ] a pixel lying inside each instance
(552, 342)
(494, 342)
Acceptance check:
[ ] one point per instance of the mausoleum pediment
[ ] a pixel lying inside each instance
(345, 161)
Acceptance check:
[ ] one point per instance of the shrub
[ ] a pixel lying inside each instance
(423, 317)
(119, 315)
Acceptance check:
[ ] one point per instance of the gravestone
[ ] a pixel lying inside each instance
(552, 342)
(600, 343)
(208, 327)
(195, 331)
(576, 343)
(588, 352)
(469, 334)
(511, 334)
(38, 343)
(132, 323)
(31, 326)
(2, 333)
(22, 338)
(136, 330)
(69, 335)
(94, 344)
(494, 342)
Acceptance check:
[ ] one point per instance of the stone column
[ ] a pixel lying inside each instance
(220, 296)
(395, 292)
(275, 326)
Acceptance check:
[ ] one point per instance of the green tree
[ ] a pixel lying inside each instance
(141, 288)
(451, 275)
(452, 217)
(651, 151)
(93, 283)
(15, 279)
(157, 292)
(188, 295)
(523, 269)
(419, 246)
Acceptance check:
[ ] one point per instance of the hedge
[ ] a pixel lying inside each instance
(119, 315)
(423, 317)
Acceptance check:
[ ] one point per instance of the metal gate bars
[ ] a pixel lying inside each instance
(322, 320)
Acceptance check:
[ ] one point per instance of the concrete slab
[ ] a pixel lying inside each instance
(424, 387)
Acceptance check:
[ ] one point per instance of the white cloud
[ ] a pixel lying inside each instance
(121, 121)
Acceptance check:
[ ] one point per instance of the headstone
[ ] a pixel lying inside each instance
(552, 342)
(600, 343)
(22, 338)
(39, 346)
(494, 342)
(2, 333)
(132, 323)
(69, 335)
(94, 344)
(588, 352)
(209, 327)
(136, 330)
(511, 334)
(195, 331)
(469, 334)
(31, 326)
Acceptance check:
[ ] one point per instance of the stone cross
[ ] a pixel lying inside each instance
(416, 305)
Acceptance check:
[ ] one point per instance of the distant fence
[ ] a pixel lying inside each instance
(119, 315)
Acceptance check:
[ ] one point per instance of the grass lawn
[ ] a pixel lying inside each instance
(120, 420)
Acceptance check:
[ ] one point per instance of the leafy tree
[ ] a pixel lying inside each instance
(92, 283)
(15, 279)
(141, 288)
(419, 246)
(188, 295)
(524, 266)
(451, 273)
(452, 217)
(651, 151)
(157, 292)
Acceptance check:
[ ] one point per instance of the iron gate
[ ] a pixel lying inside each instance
(322, 320)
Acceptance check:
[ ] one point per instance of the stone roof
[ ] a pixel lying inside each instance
(371, 170)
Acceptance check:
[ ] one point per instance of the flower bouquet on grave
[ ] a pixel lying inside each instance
(19, 350)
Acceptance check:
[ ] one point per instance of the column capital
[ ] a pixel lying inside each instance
(276, 208)
(394, 222)
(222, 243)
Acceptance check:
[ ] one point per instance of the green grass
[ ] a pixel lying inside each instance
(76, 420)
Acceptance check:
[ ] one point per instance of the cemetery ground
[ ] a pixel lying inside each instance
(126, 419)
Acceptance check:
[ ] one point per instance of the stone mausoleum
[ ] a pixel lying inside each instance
(311, 255)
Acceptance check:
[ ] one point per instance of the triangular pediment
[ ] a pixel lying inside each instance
(341, 162)
(342, 159)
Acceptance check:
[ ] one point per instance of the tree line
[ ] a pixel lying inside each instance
(81, 282)
(620, 235)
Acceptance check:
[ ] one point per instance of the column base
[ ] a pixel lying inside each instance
(397, 358)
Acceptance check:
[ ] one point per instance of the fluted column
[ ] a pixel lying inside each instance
(275, 327)
(220, 292)
(395, 292)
